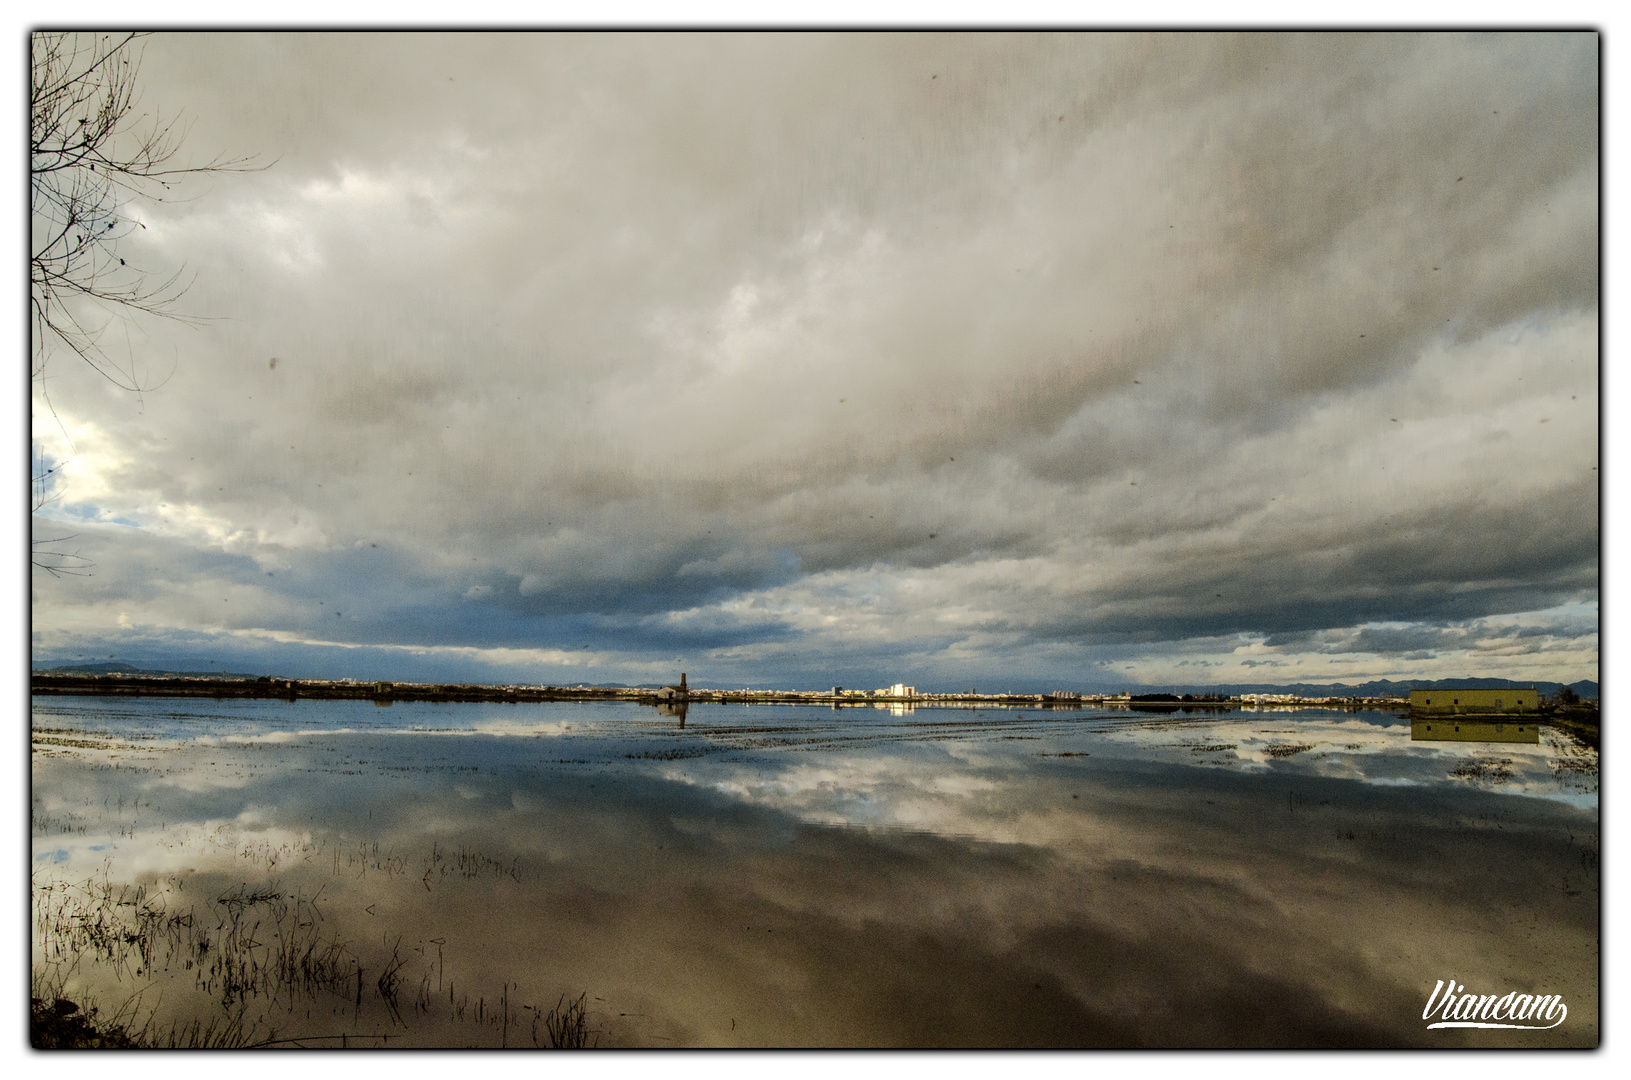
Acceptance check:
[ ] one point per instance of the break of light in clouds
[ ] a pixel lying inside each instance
(998, 360)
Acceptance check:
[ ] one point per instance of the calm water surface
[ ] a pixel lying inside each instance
(445, 875)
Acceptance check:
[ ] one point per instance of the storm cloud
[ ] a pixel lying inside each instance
(797, 358)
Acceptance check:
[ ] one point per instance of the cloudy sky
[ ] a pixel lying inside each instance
(1005, 361)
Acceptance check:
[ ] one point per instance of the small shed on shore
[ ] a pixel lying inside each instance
(673, 693)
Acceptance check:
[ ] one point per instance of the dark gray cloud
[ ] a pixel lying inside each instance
(984, 353)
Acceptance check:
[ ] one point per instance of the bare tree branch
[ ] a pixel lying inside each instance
(92, 152)
(47, 557)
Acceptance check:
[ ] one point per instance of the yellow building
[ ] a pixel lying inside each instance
(1461, 700)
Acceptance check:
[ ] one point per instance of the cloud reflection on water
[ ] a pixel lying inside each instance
(787, 877)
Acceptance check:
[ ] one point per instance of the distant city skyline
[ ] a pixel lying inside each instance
(1078, 361)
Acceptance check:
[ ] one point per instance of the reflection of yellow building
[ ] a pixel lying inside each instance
(1462, 700)
(1460, 729)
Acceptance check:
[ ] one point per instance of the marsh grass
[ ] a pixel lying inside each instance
(252, 945)
(567, 1026)
(390, 981)
(216, 1033)
(1488, 770)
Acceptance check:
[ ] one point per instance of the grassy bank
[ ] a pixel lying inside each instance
(60, 1024)
(1582, 722)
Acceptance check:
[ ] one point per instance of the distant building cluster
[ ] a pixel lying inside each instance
(1304, 699)
(898, 690)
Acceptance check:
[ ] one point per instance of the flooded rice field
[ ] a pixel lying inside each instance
(334, 873)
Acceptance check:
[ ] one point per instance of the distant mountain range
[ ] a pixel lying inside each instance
(1586, 688)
